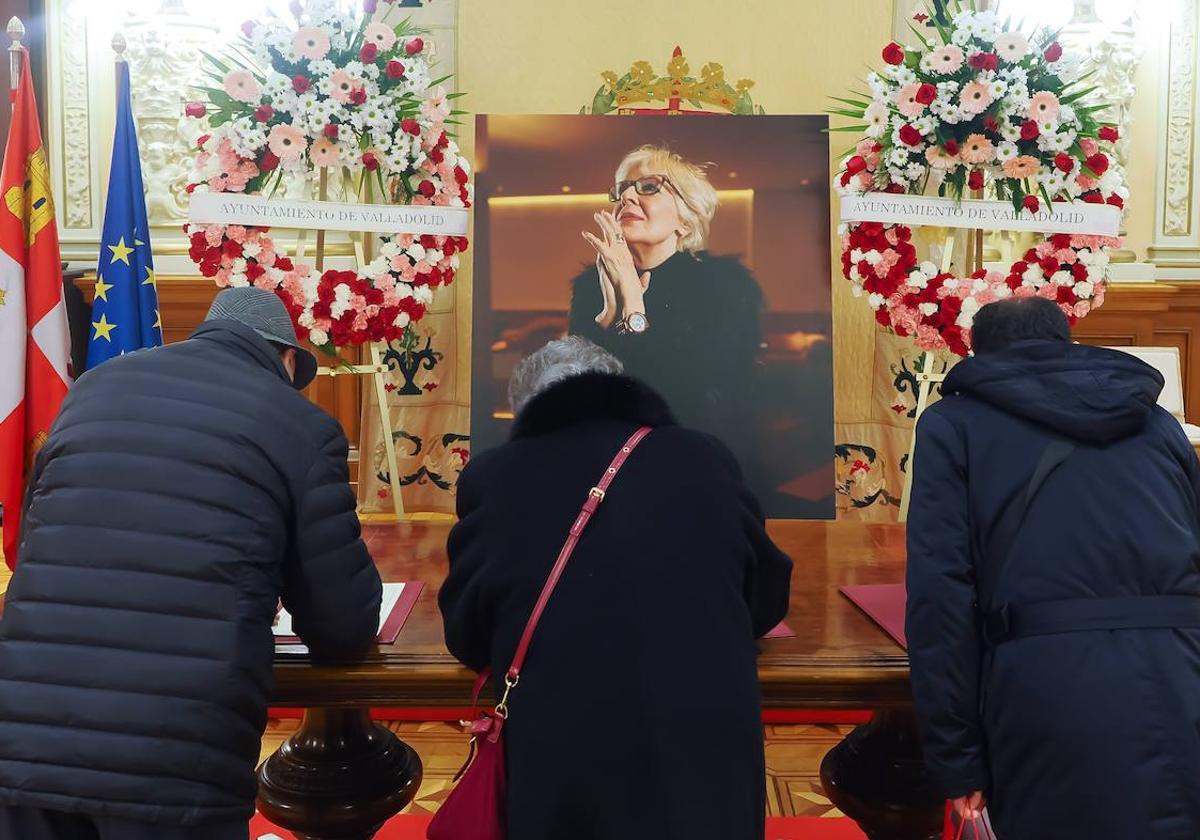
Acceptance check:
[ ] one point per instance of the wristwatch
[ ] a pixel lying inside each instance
(634, 322)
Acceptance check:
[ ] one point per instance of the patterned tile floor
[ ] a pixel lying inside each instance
(794, 754)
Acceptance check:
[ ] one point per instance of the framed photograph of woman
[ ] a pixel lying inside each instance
(695, 249)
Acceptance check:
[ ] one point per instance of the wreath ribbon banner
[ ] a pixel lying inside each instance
(392, 219)
(978, 214)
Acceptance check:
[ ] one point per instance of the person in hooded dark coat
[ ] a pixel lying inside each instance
(1056, 654)
(181, 493)
(637, 715)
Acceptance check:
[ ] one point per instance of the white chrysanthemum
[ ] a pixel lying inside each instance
(1062, 278)
(1015, 76)
(876, 300)
(341, 300)
(917, 279)
(251, 249)
(913, 171)
(318, 337)
(238, 280)
(1010, 131)
(1033, 275)
(1002, 291)
(925, 125)
(928, 309)
(961, 37)
(1067, 115)
(879, 88)
(1110, 181)
(898, 157)
(1085, 289)
(997, 88)
(1053, 180)
(424, 294)
(905, 75)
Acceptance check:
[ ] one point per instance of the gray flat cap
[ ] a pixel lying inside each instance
(264, 312)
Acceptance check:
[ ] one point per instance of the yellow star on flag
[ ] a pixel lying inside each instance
(158, 319)
(103, 328)
(138, 243)
(121, 251)
(2, 294)
(102, 288)
(150, 280)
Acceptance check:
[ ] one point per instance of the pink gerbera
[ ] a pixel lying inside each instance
(906, 101)
(311, 43)
(976, 97)
(947, 60)
(1044, 106)
(978, 149)
(287, 142)
(341, 85)
(242, 86)
(381, 36)
(323, 153)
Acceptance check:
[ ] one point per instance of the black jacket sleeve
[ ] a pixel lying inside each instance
(331, 586)
(586, 303)
(466, 609)
(942, 623)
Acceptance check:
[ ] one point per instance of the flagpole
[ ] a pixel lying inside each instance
(16, 31)
(119, 44)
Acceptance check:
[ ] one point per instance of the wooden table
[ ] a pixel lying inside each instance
(340, 776)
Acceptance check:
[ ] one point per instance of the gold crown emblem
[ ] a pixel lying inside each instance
(641, 89)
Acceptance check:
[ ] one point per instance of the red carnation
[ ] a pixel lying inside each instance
(1066, 295)
(202, 139)
(195, 109)
(952, 148)
(1029, 130)
(231, 249)
(1098, 163)
(301, 84)
(1079, 270)
(975, 179)
(1053, 52)
(926, 93)
(369, 52)
(910, 135)
(427, 189)
(331, 130)
(1049, 265)
(254, 271)
(1116, 200)
(284, 264)
(414, 46)
(410, 126)
(1093, 197)
(896, 189)
(395, 69)
(460, 176)
(1031, 203)
(269, 161)
(1110, 134)
(1064, 162)
(984, 61)
(989, 122)
(370, 161)
(189, 189)
(263, 113)
(436, 155)
(1061, 240)
(856, 164)
(358, 96)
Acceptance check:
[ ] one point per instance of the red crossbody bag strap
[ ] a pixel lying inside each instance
(595, 497)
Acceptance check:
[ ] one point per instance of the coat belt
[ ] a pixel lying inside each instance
(1013, 621)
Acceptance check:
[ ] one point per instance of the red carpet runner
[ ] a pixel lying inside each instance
(778, 828)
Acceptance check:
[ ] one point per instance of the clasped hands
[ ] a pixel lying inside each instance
(621, 287)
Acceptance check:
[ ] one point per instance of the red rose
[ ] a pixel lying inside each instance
(358, 96)
(952, 148)
(1053, 52)
(195, 109)
(202, 139)
(910, 135)
(975, 179)
(436, 155)
(1116, 200)
(395, 69)
(263, 113)
(1079, 270)
(410, 126)
(926, 93)
(301, 84)
(856, 164)
(331, 130)
(427, 189)
(369, 52)
(1031, 203)
(1098, 163)
(269, 161)
(1029, 130)
(984, 61)
(1093, 197)
(989, 122)
(1064, 162)
(370, 161)
(844, 180)
(414, 46)
(1110, 134)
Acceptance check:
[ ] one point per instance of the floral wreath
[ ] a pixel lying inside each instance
(984, 109)
(344, 93)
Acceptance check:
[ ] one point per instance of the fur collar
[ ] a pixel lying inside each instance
(592, 396)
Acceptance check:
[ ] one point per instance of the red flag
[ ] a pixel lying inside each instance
(34, 341)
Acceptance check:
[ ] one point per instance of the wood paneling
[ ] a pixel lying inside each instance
(1153, 315)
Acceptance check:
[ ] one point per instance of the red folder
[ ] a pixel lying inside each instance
(884, 604)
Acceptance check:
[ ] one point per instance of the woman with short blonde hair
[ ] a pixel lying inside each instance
(684, 321)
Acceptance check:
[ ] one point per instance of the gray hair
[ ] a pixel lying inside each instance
(560, 359)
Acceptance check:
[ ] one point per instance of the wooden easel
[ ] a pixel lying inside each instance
(926, 378)
(363, 253)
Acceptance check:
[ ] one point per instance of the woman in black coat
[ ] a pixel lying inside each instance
(637, 714)
(1051, 677)
(685, 322)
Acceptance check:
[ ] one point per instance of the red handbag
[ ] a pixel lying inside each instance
(981, 829)
(475, 809)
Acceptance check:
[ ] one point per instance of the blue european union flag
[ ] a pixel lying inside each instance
(125, 311)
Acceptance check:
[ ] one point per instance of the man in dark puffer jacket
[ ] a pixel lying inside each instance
(181, 492)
